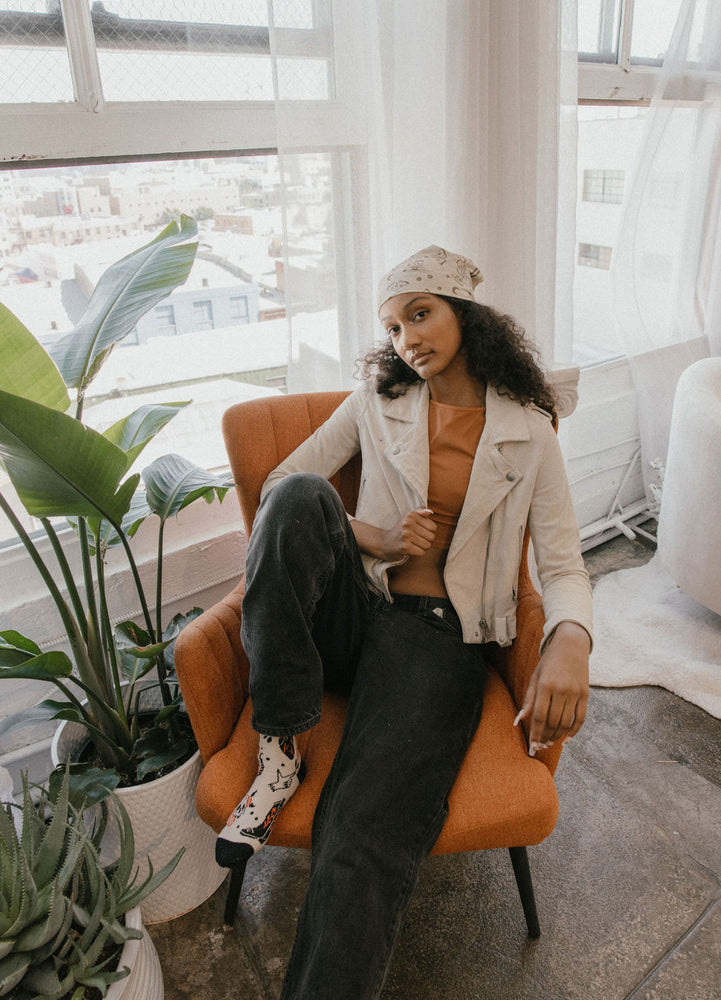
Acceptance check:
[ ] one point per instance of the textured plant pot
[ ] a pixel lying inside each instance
(164, 819)
(145, 981)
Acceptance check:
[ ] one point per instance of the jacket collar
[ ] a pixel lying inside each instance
(505, 419)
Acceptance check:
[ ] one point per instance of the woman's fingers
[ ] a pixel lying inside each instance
(418, 530)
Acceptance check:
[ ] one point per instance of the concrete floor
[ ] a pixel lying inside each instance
(628, 886)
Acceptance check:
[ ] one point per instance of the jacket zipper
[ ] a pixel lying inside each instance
(485, 630)
(521, 531)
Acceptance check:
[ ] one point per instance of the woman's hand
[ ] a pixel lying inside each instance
(412, 535)
(555, 704)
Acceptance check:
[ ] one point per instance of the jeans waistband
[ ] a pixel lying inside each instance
(421, 602)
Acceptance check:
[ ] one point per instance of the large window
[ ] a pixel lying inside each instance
(625, 32)
(158, 50)
(117, 117)
(621, 46)
(114, 118)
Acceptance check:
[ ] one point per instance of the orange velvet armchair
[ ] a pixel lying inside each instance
(501, 797)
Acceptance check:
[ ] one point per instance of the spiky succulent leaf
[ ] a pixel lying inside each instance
(12, 971)
(60, 905)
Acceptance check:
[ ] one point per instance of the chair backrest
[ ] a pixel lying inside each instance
(259, 434)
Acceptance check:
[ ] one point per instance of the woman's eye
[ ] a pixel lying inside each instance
(421, 314)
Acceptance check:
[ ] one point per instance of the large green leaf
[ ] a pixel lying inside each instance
(133, 432)
(125, 292)
(45, 667)
(58, 466)
(44, 711)
(172, 482)
(26, 369)
(16, 648)
(87, 785)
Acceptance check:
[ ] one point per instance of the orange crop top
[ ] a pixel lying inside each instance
(453, 436)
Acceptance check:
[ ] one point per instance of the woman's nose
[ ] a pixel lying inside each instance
(408, 339)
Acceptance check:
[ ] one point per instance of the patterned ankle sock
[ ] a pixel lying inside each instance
(249, 825)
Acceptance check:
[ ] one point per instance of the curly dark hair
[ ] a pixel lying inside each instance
(497, 351)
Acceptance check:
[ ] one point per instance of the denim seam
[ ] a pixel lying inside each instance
(415, 861)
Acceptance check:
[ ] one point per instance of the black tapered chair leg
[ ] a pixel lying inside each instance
(522, 871)
(237, 873)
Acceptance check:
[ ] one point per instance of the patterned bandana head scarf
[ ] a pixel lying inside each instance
(431, 270)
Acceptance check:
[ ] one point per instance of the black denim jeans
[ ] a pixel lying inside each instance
(416, 693)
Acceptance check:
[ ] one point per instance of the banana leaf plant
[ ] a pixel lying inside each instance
(62, 468)
(62, 908)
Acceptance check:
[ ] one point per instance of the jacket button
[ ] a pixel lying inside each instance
(396, 450)
(510, 476)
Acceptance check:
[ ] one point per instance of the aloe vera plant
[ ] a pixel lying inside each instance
(61, 907)
(61, 467)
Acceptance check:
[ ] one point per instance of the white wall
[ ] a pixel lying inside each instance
(600, 440)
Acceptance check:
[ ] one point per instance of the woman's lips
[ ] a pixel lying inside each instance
(418, 359)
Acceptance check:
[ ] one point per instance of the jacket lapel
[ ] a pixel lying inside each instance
(407, 450)
(493, 476)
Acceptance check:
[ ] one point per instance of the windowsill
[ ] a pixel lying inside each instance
(600, 82)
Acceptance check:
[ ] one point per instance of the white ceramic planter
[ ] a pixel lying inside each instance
(145, 981)
(164, 820)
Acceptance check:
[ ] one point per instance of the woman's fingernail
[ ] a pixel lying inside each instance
(532, 749)
(518, 718)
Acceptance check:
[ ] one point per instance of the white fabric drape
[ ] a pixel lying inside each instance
(457, 123)
(664, 277)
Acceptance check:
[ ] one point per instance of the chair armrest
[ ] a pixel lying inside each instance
(213, 671)
(517, 662)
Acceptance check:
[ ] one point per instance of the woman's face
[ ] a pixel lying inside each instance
(425, 333)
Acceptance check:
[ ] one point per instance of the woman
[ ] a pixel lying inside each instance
(396, 604)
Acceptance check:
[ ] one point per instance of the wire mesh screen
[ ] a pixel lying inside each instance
(213, 50)
(33, 59)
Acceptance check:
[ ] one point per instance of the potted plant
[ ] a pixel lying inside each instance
(118, 691)
(69, 922)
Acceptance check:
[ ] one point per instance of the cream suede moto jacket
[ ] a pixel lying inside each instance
(518, 477)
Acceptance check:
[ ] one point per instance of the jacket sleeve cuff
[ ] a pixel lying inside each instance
(550, 630)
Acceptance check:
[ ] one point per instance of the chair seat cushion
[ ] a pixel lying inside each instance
(501, 798)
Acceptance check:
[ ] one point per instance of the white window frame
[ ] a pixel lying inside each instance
(91, 130)
(622, 82)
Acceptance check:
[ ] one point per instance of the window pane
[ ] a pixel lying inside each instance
(598, 22)
(217, 50)
(603, 185)
(221, 337)
(653, 24)
(608, 143)
(293, 13)
(33, 60)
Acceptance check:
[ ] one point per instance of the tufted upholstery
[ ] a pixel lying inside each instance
(501, 798)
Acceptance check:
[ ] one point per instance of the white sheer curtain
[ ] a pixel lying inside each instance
(453, 125)
(665, 274)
